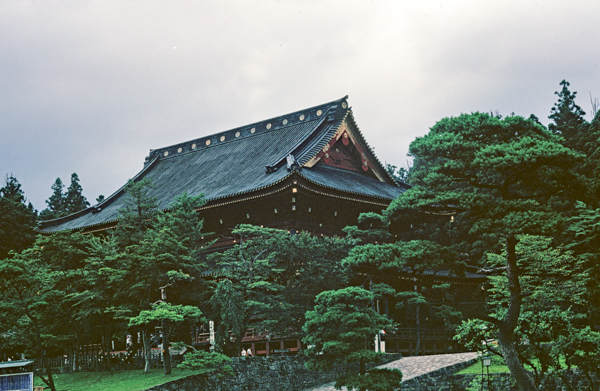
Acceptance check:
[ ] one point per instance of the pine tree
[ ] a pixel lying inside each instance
(568, 117)
(503, 177)
(138, 214)
(340, 330)
(56, 203)
(74, 200)
(16, 219)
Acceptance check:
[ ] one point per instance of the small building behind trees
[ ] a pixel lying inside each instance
(16, 375)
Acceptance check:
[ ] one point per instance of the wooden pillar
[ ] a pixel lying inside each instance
(268, 349)
(253, 348)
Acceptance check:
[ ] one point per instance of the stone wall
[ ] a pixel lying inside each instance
(259, 374)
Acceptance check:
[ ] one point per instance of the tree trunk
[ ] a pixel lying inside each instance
(506, 336)
(165, 348)
(75, 358)
(387, 308)
(106, 348)
(147, 351)
(42, 354)
(371, 290)
(418, 321)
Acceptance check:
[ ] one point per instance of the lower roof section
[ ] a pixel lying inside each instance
(325, 180)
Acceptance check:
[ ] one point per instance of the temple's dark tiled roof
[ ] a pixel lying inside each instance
(241, 161)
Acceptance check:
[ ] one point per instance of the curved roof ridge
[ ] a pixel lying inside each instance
(334, 116)
(244, 131)
(312, 150)
(370, 149)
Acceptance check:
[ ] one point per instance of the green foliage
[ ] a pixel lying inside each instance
(376, 379)
(342, 327)
(389, 261)
(166, 312)
(277, 275)
(74, 199)
(16, 219)
(206, 360)
(30, 304)
(372, 227)
(64, 203)
(551, 328)
(228, 302)
(500, 177)
(567, 115)
(399, 174)
(56, 202)
(583, 236)
(121, 380)
(340, 331)
(138, 214)
(157, 249)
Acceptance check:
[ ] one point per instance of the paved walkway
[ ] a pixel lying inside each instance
(412, 367)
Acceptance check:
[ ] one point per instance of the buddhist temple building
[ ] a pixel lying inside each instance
(309, 170)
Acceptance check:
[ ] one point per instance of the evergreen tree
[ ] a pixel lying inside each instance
(56, 203)
(93, 302)
(399, 174)
(30, 304)
(385, 264)
(73, 199)
(502, 177)
(138, 214)
(552, 331)
(275, 274)
(340, 330)
(568, 117)
(171, 258)
(16, 219)
(157, 250)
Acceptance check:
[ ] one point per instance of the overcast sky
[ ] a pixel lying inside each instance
(91, 86)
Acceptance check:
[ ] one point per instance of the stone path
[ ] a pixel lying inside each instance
(412, 367)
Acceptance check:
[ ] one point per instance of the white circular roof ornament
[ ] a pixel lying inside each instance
(319, 112)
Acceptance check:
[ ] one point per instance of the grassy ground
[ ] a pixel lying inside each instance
(133, 380)
(498, 366)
